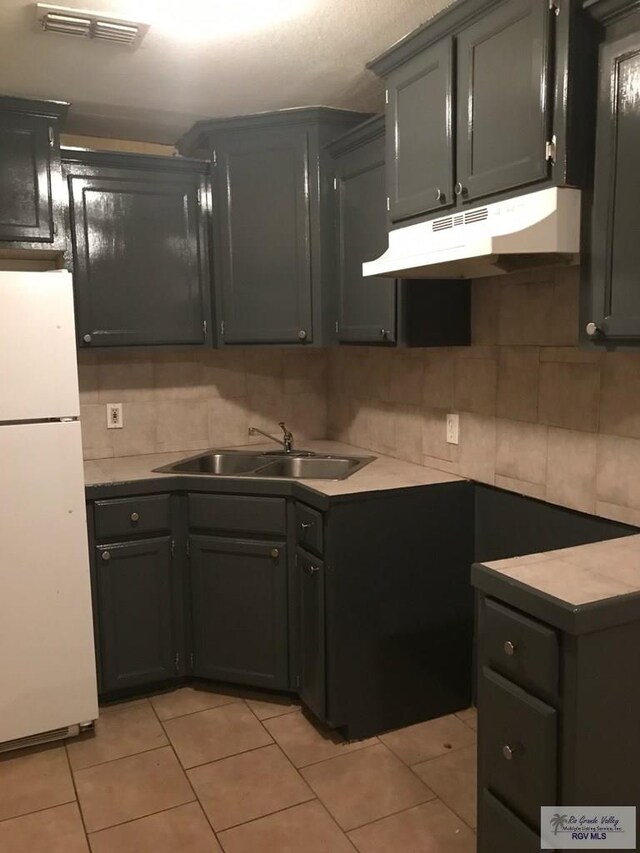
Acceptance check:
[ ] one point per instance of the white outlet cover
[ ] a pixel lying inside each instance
(453, 429)
(114, 416)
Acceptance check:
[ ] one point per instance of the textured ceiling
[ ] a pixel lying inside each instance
(154, 93)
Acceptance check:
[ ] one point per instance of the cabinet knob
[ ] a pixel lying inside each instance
(106, 555)
(302, 334)
(440, 196)
(592, 330)
(509, 648)
(312, 569)
(135, 517)
(508, 752)
(459, 189)
(275, 553)
(87, 339)
(305, 525)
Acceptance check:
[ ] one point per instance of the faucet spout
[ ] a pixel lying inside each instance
(287, 437)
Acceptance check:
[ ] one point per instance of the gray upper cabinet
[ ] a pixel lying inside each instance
(139, 233)
(611, 296)
(503, 99)
(380, 310)
(30, 177)
(485, 99)
(273, 224)
(420, 142)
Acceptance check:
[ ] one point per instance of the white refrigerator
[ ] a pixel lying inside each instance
(47, 661)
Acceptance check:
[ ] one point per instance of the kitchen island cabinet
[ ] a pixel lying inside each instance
(140, 248)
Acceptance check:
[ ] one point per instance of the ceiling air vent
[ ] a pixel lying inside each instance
(93, 25)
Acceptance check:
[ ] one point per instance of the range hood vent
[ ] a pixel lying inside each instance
(533, 230)
(92, 25)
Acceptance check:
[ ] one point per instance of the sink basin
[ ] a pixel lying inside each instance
(302, 464)
(317, 467)
(217, 462)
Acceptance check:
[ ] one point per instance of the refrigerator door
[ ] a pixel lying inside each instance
(38, 372)
(47, 663)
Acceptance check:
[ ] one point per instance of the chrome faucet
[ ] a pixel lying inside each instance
(286, 441)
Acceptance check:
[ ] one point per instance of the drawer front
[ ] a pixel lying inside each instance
(309, 528)
(238, 514)
(517, 746)
(130, 516)
(500, 831)
(523, 650)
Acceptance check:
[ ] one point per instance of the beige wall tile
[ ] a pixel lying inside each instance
(182, 425)
(439, 378)
(569, 395)
(526, 311)
(406, 380)
(618, 513)
(140, 431)
(125, 377)
(96, 438)
(563, 324)
(477, 447)
(518, 383)
(223, 373)
(178, 376)
(409, 434)
(571, 469)
(433, 436)
(521, 451)
(618, 471)
(485, 310)
(382, 429)
(522, 487)
(620, 394)
(476, 384)
(227, 422)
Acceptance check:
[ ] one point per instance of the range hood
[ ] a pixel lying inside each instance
(537, 229)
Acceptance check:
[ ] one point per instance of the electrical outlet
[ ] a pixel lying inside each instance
(114, 416)
(453, 429)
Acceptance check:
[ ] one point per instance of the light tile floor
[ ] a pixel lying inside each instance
(198, 771)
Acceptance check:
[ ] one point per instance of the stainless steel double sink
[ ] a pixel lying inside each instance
(297, 465)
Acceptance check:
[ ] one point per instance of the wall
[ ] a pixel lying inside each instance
(537, 415)
(190, 400)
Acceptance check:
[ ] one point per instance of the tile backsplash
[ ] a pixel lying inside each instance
(190, 400)
(537, 415)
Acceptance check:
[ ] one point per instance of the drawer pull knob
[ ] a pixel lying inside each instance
(135, 517)
(305, 525)
(275, 553)
(106, 555)
(508, 752)
(509, 649)
(313, 569)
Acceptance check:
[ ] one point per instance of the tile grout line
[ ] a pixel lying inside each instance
(119, 757)
(75, 789)
(37, 811)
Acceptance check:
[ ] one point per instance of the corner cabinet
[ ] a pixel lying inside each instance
(139, 243)
(481, 101)
(611, 278)
(272, 192)
(31, 189)
(378, 310)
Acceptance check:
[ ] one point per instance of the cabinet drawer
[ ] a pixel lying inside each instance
(247, 515)
(501, 831)
(518, 746)
(128, 516)
(520, 648)
(309, 528)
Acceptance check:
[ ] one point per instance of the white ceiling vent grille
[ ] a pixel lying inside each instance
(93, 25)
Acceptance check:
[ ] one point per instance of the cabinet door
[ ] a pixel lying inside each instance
(139, 258)
(503, 105)
(239, 606)
(311, 641)
(615, 266)
(420, 138)
(263, 272)
(367, 305)
(137, 641)
(26, 213)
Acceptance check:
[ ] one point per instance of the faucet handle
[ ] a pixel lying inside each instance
(288, 437)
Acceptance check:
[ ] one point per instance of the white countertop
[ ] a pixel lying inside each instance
(383, 473)
(581, 575)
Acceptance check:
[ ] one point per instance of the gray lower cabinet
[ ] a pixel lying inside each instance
(273, 225)
(611, 293)
(312, 675)
(139, 245)
(239, 611)
(137, 643)
(377, 310)
(31, 189)
(558, 708)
